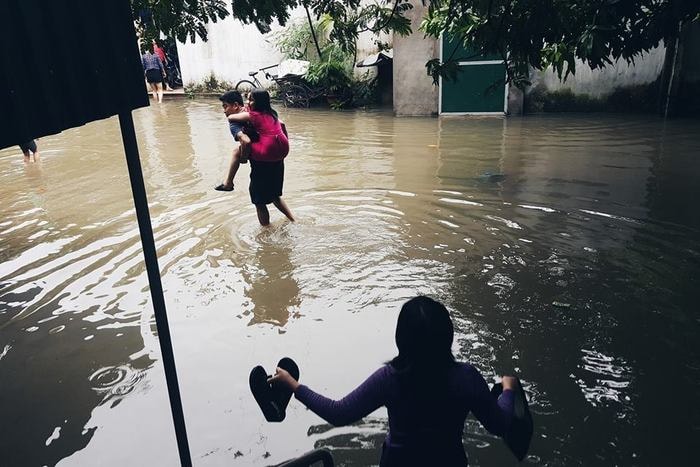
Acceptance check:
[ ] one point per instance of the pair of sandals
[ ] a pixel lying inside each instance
(273, 399)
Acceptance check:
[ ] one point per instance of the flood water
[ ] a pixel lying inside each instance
(566, 247)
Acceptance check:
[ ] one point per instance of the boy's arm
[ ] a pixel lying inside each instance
(240, 117)
(284, 129)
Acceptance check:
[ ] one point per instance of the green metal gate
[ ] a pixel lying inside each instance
(480, 88)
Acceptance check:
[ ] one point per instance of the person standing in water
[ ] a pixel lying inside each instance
(428, 395)
(153, 68)
(28, 149)
(267, 155)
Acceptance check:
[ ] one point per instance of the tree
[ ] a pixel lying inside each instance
(544, 33)
(525, 33)
(183, 19)
(180, 19)
(350, 17)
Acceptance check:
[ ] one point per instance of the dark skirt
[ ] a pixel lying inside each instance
(266, 180)
(154, 76)
(30, 146)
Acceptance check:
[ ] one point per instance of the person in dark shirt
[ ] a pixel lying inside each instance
(153, 68)
(428, 395)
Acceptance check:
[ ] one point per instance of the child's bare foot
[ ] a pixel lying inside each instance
(223, 187)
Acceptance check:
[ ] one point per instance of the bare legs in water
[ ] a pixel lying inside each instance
(264, 214)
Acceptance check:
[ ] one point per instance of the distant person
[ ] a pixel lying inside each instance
(164, 60)
(428, 395)
(232, 103)
(30, 149)
(153, 68)
(266, 154)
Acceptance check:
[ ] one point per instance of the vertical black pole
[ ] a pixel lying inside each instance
(149, 252)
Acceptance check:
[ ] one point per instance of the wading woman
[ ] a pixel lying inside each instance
(267, 155)
(428, 395)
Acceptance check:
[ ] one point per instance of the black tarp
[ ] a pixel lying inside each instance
(64, 63)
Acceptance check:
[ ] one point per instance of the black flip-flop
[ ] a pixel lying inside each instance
(272, 399)
(223, 188)
(518, 436)
(262, 392)
(281, 394)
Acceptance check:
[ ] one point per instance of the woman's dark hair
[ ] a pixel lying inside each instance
(262, 102)
(424, 334)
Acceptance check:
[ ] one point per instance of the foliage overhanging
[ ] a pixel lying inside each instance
(543, 33)
(526, 33)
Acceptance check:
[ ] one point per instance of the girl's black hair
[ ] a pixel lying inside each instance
(262, 102)
(424, 335)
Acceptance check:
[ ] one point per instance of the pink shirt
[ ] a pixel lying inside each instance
(273, 144)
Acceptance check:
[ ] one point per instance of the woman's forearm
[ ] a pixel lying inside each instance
(240, 117)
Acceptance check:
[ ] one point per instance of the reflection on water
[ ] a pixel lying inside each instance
(273, 292)
(567, 249)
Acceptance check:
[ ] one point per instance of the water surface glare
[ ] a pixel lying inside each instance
(566, 247)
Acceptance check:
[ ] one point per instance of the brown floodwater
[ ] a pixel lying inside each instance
(567, 248)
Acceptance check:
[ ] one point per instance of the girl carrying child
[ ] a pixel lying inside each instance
(267, 153)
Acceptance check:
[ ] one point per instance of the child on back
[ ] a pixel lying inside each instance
(232, 103)
(267, 153)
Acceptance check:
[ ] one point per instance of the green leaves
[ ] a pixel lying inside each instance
(350, 17)
(543, 33)
(448, 70)
(262, 13)
(525, 33)
(181, 19)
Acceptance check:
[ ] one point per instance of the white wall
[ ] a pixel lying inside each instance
(231, 51)
(234, 49)
(599, 83)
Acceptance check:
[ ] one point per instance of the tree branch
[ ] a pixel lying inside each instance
(313, 32)
(378, 29)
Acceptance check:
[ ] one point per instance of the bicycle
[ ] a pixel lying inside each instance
(291, 89)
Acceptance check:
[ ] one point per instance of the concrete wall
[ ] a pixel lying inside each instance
(599, 83)
(233, 49)
(414, 93)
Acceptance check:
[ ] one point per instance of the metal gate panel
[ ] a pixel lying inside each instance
(481, 83)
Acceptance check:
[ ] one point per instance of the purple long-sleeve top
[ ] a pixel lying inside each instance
(443, 418)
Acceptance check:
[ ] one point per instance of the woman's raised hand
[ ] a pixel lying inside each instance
(509, 382)
(283, 377)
